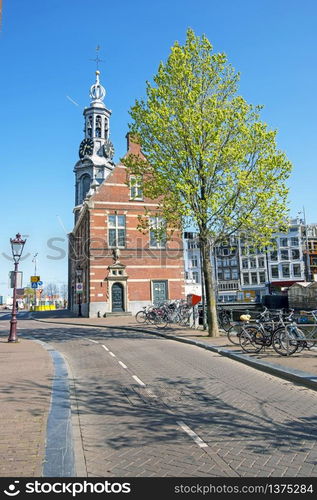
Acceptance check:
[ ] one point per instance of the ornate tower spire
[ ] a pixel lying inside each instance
(96, 150)
(97, 91)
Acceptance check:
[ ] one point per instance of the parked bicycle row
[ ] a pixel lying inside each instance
(168, 312)
(179, 312)
(277, 329)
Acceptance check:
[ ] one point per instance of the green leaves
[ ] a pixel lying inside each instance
(208, 154)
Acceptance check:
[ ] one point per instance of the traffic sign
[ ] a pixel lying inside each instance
(34, 285)
(40, 283)
(35, 279)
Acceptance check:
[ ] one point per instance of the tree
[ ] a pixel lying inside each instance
(28, 295)
(51, 290)
(209, 157)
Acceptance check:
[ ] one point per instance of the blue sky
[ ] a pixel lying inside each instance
(46, 49)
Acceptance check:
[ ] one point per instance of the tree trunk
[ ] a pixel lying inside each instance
(209, 289)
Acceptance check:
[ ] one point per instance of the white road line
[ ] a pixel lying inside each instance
(94, 341)
(151, 394)
(138, 380)
(123, 365)
(111, 354)
(192, 434)
(105, 347)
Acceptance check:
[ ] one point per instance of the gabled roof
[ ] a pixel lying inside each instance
(305, 284)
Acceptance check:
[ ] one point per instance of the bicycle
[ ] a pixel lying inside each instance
(311, 334)
(284, 338)
(143, 316)
(234, 331)
(224, 318)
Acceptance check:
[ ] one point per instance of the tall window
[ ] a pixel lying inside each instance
(85, 185)
(195, 276)
(261, 261)
(194, 261)
(296, 270)
(274, 271)
(235, 274)
(246, 280)
(157, 233)
(294, 241)
(116, 230)
(283, 242)
(295, 253)
(136, 187)
(254, 278)
(262, 277)
(252, 263)
(98, 126)
(285, 270)
(227, 274)
(284, 255)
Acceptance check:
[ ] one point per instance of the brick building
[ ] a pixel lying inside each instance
(113, 267)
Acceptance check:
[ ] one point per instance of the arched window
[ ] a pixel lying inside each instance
(98, 126)
(85, 182)
(106, 128)
(89, 126)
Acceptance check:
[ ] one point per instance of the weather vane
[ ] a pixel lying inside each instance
(97, 59)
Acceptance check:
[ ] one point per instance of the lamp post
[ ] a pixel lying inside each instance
(79, 273)
(17, 245)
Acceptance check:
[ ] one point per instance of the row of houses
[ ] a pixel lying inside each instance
(244, 273)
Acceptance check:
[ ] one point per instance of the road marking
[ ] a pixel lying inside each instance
(192, 434)
(111, 354)
(123, 365)
(150, 393)
(138, 380)
(94, 341)
(105, 347)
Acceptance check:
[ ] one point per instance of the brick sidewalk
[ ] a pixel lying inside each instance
(25, 392)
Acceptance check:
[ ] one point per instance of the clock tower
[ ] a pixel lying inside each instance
(96, 150)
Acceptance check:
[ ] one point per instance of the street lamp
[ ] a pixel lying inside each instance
(17, 245)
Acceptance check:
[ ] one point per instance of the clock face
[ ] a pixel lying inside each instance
(86, 147)
(108, 149)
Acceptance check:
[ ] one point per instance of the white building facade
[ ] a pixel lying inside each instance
(245, 273)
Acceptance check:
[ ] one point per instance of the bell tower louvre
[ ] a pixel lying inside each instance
(113, 267)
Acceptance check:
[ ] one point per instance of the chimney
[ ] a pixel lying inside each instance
(133, 146)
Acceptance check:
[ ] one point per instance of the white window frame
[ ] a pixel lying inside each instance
(116, 227)
(136, 184)
(156, 222)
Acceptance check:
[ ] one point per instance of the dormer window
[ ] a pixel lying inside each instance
(136, 187)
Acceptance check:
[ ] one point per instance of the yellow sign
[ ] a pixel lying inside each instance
(35, 279)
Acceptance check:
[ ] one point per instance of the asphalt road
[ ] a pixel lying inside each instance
(150, 406)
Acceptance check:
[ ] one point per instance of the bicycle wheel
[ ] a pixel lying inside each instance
(308, 334)
(151, 317)
(233, 334)
(250, 339)
(285, 342)
(141, 317)
(224, 323)
(160, 320)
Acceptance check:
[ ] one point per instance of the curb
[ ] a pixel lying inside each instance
(298, 376)
(59, 458)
